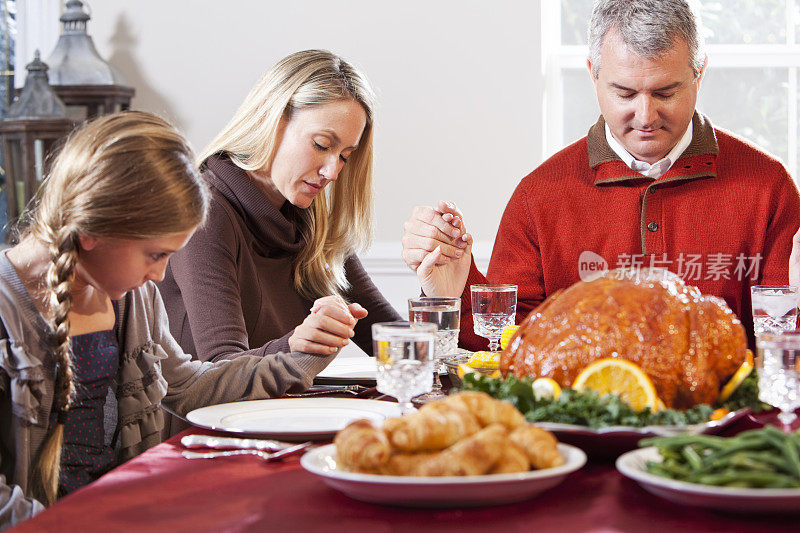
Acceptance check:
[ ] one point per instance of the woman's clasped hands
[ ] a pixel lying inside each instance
(328, 327)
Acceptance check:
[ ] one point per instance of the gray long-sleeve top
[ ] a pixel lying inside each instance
(153, 370)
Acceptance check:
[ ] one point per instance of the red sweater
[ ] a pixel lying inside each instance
(722, 217)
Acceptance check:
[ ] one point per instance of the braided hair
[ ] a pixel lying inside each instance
(130, 176)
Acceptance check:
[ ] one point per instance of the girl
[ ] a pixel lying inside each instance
(86, 358)
(291, 204)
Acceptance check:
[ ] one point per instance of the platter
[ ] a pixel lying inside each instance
(467, 491)
(614, 440)
(291, 419)
(740, 500)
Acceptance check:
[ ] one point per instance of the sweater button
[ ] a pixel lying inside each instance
(652, 226)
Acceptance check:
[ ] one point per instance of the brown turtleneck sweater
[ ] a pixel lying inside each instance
(230, 290)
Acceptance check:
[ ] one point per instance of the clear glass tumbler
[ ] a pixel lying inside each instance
(494, 307)
(774, 308)
(446, 314)
(778, 366)
(404, 353)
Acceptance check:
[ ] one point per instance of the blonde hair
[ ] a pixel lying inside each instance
(339, 221)
(129, 176)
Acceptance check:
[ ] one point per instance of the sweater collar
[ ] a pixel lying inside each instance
(697, 161)
(269, 225)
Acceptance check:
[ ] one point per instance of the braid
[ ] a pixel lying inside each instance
(63, 248)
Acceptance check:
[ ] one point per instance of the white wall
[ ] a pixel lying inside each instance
(459, 84)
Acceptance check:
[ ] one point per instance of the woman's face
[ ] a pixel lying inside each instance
(116, 266)
(313, 147)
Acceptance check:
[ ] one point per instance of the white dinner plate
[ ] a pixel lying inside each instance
(293, 419)
(449, 491)
(634, 465)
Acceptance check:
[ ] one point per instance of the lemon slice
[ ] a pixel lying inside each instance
(545, 388)
(484, 359)
(741, 373)
(464, 369)
(621, 377)
(505, 337)
(383, 352)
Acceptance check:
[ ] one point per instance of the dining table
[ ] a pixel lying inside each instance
(160, 490)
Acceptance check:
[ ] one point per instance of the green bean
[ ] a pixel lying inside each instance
(692, 457)
(782, 442)
(753, 479)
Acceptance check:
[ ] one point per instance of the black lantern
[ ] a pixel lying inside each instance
(88, 85)
(35, 122)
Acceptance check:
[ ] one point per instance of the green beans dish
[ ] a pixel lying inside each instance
(760, 458)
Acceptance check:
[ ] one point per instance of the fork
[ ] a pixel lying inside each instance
(264, 455)
(319, 390)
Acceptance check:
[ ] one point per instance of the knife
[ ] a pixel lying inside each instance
(210, 441)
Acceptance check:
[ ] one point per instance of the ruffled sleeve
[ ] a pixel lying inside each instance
(140, 390)
(26, 377)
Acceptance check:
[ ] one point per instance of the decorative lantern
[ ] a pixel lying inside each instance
(87, 84)
(34, 123)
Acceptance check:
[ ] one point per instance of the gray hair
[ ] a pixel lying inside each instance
(648, 27)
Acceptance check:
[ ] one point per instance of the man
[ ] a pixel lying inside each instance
(653, 185)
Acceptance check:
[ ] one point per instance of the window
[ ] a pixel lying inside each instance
(750, 86)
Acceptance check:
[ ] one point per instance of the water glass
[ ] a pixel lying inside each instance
(404, 352)
(446, 314)
(778, 366)
(774, 308)
(494, 308)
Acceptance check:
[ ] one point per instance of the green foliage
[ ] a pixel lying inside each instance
(591, 409)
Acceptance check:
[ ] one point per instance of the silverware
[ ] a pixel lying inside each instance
(320, 390)
(264, 455)
(210, 441)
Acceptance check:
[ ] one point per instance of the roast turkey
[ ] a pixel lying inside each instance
(689, 344)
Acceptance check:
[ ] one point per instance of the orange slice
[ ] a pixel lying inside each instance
(621, 377)
(741, 373)
(505, 337)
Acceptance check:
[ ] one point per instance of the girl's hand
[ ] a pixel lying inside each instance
(328, 328)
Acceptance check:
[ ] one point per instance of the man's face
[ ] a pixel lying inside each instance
(647, 103)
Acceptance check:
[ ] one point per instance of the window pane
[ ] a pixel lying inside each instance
(744, 21)
(751, 102)
(580, 105)
(575, 21)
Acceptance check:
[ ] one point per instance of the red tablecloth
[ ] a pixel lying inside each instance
(162, 491)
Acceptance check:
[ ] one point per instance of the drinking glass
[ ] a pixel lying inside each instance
(774, 308)
(493, 309)
(404, 352)
(446, 314)
(778, 365)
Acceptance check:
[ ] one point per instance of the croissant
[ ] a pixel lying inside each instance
(472, 456)
(487, 409)
(435, 426)
(361, 446)
(405, 464)
(540, 446)
(513, 460)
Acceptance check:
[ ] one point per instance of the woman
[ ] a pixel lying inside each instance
(86, 358)
(291, 203)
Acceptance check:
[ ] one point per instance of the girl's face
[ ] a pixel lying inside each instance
(116, 266)
(314, 145)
